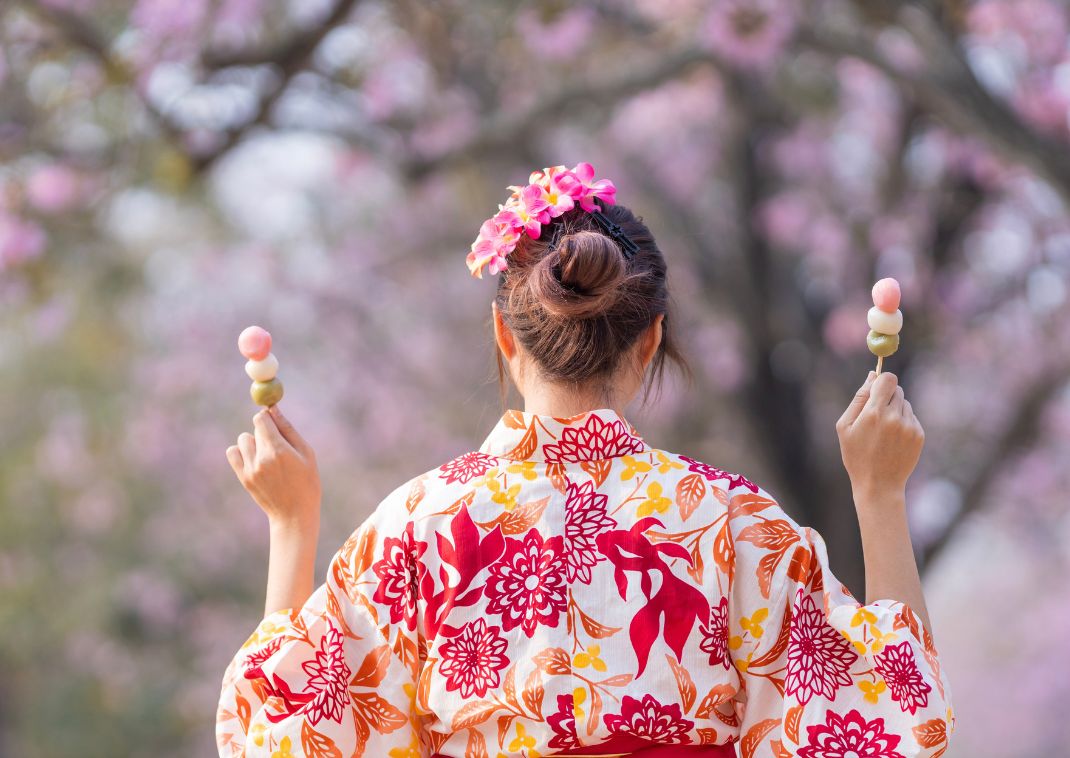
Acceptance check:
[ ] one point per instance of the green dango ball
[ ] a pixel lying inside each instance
(266, 393)
(882, 345)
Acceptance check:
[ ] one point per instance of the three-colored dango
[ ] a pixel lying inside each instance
(262, 367)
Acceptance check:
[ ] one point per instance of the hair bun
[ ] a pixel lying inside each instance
(581, 277)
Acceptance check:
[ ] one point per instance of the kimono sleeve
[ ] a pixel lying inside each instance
(323, 679)
(824, 674)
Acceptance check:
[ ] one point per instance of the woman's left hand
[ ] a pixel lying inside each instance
(278, 468)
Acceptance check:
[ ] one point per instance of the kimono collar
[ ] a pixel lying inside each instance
(589, 436)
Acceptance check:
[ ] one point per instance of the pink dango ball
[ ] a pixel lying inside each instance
(254, 343)
(886, 295)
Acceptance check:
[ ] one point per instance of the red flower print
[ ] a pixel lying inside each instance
(850, 736)
(715, 636)
(328, 680)
(649, 721)
(471, 660)
(585, 519)
(466, 467)
(399, 575)
(818, 656)
(712, 473)
(527, 586)
(900, 671)
(254, 661)
(563, 722)
(596, 440)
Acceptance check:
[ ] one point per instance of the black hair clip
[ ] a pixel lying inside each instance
(614, 231)
(556, 236)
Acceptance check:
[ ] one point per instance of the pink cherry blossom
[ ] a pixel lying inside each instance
(750, 33)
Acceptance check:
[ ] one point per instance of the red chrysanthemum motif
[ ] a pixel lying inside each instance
(328, 678)
(466, 467)
(712, 473)
(819, 657)
(585, 519)
(850, 736)
(715, 635)
(596, 440)
(527, 585)
(896, 663)
(563, 722)
(471, 660)
(255, 661)
(650, 721)
(399, 575)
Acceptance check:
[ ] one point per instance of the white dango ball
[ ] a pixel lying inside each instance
(884, 322)
(263, 370)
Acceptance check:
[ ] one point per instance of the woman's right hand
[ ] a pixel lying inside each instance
(880, 437)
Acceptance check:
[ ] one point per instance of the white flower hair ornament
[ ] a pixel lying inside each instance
(548, 194)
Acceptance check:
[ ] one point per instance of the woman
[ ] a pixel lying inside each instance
(570, 589)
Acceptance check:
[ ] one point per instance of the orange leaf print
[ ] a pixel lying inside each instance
(799, 568)
(684, 683)
(766, 568)
(721, 693)
(594, 628)
(527, 445)
(504, 722)
(509, 686)
(514, 419)
(555, 472)
(697, 566)
(707, 735)
(244, 712)
(423, 687)
(316, 745)
(416, 493)
(754, 736)
(373, 669)
(477, 745)
(774, 535)
(779, 751)
(473, 713)
(931, 733)
(720, 494)
(598, 470)
(464, 501)
(533, 692)
(617, 680)
(520, 519)
(748, 503)
(596, 711)
(724, 552)
(791, 723)
(373, 711)
(553, 660)
(689, 493)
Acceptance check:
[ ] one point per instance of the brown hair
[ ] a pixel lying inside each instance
(579, 307)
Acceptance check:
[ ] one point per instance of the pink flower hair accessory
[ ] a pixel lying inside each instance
(548, 194)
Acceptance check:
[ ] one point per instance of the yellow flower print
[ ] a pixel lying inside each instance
(753, 624)
(486, 479)
(525, 468)
(579, 697)
(667, 464)
(284, 749)
(880, 640)
(257, 734)
(590, 658)
(654, 500)
(410, 751)
(744, 663)
(863, 614)
(872, 691)
(523, 740)
(632, 467)
(735, 642)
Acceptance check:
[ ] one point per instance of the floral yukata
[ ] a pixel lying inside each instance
(569, 590)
